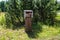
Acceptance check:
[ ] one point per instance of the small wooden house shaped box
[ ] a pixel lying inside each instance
(28, 15)
(28, 11)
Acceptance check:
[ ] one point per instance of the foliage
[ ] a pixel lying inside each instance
(58, 6)
(44, 11)
(27, 4)
(14, 13)
(2, 6)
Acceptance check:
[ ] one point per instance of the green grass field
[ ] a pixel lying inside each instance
(40, 31)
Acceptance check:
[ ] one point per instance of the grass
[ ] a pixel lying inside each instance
(40, 32)
(2, 18)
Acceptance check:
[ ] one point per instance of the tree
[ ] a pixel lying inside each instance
(46, 10)
(13, 17)
(58, 6)
(2, 6)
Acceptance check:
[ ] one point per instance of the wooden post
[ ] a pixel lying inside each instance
(28, 14)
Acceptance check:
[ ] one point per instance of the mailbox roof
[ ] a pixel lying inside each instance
(28, 10)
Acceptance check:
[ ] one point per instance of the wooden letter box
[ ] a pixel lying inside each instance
(28, 15)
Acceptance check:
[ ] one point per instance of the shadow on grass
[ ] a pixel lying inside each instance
(36, 29)
(57, 23)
